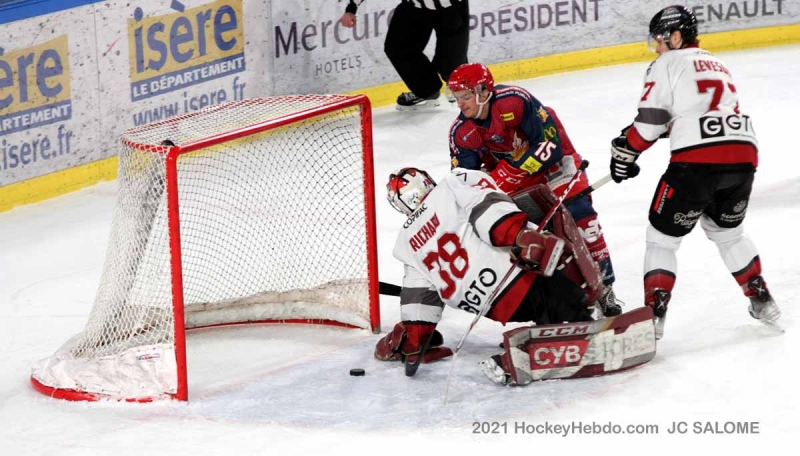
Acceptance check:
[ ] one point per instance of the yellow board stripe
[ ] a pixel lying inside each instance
(69, 180)
(58, 183)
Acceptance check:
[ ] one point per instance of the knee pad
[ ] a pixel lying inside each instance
(660, 239)
(718, 234)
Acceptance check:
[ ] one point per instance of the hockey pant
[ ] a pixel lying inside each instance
(717, 196)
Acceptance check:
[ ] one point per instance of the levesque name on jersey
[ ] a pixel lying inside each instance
(445, 245)
(691, 94)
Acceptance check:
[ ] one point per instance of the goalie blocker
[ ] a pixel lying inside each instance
(578, 264)
(574, 350)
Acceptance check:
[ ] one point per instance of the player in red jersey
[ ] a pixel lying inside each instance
(507, 132)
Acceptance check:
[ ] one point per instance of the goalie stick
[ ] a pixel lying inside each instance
(490, 299)
(411, 368)
(389, 289)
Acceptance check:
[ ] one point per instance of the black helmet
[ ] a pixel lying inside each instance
(675, 17)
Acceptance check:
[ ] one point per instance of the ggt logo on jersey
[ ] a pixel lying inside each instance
(35, 86)
(732, 125)
(178, 50)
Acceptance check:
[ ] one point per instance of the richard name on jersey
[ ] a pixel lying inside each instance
(449, 247)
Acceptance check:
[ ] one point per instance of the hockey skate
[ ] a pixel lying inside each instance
(493, 369)
(407, 101)
(660, 300)
(608, 305)
(762, 306)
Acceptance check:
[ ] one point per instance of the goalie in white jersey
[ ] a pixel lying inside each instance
(689, 96)
(455, 248)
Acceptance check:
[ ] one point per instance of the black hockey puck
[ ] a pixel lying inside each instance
(357, 372)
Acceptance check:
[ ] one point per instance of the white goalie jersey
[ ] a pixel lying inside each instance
(447, 247)
(690, 94)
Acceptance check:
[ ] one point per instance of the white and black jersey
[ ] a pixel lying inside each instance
(690, 94)
(453, 250)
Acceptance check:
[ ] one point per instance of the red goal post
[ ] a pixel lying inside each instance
(259, 210)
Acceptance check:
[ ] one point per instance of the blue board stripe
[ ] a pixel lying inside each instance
(16, 10)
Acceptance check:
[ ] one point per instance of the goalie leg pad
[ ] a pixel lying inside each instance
(574, 350)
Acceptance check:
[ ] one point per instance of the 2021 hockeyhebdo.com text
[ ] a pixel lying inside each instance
(610, 428)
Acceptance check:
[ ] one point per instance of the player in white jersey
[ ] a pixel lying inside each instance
(455, 248)
(689, 96)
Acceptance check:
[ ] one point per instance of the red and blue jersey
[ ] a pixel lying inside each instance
(519, 129)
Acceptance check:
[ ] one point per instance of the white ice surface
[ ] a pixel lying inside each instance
(286, 389)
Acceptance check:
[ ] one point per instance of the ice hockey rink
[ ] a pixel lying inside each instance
(279, 390)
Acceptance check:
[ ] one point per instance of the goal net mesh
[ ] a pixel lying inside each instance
(272, 227)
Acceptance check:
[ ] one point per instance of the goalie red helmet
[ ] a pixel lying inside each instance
(469, 76)
(407, 189)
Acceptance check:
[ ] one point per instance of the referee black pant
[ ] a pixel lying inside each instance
(409, 32)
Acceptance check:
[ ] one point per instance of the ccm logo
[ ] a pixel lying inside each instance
(557, 354)
(562, 331)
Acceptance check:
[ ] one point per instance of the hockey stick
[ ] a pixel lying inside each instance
(389, 289)
(488, 304)
(589, 189)
(411, 368)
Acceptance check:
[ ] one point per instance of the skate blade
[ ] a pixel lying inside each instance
(773, 325)
(419, 107)
(659, 324)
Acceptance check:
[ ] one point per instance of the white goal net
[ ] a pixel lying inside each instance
(251, 211)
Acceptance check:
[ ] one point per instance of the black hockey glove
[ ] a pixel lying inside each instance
(623, 160)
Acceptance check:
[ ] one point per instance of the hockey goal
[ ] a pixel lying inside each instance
(258, 210)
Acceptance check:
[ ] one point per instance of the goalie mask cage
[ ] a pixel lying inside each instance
(259, 210)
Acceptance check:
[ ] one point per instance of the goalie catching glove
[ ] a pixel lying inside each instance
(538, 252)
(403, 344)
